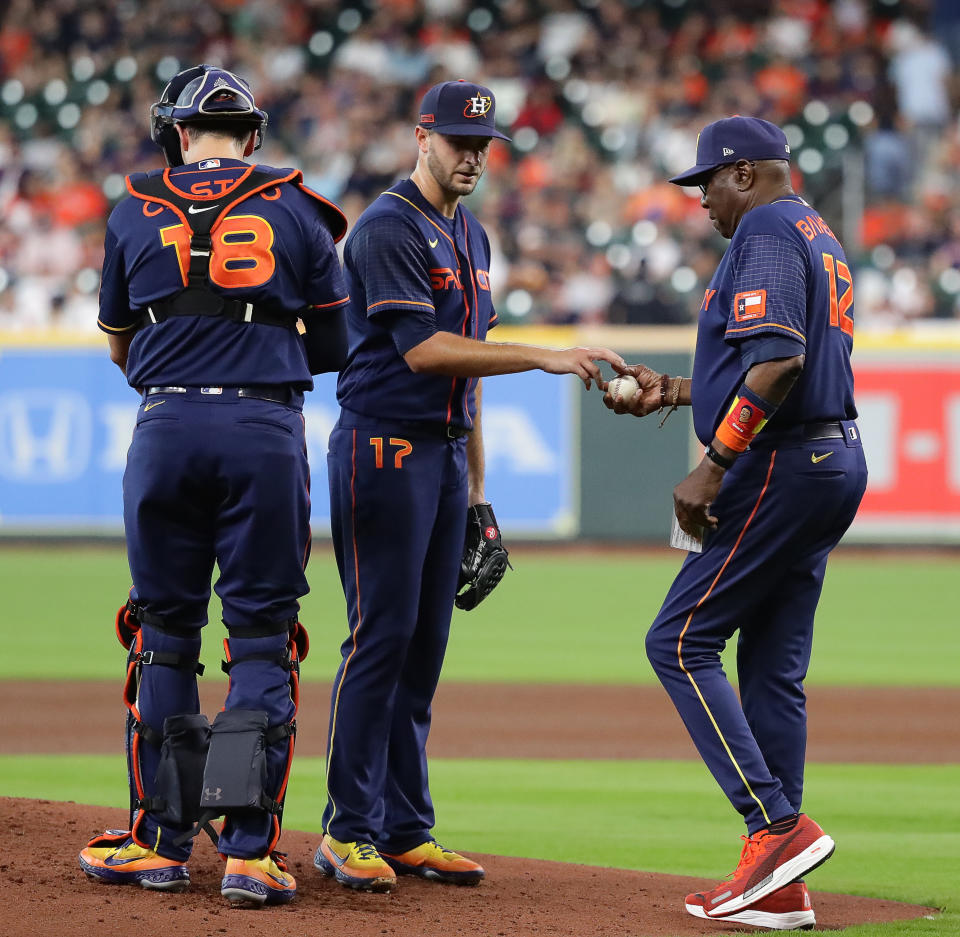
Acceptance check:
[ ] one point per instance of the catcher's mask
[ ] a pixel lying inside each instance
(203, 94)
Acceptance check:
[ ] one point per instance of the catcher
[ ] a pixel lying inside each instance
(208, 267)
(406, 462)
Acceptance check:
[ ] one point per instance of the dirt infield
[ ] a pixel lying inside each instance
(902, 726)
(45, 891)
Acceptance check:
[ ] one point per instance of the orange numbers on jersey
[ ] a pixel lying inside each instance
(403, 448)
(839, 305)
(242, 255)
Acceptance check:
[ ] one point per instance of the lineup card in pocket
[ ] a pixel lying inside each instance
(682, 540)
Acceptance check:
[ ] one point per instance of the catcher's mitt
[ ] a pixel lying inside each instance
(484, 557)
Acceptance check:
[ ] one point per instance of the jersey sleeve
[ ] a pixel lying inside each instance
(387, 257)
(115, 313)
(326, 289)
(409, 328)
(769, 292)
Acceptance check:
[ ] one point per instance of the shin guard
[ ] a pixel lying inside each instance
(164, 757)
(263, 664)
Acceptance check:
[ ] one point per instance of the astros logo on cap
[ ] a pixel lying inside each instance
(477, 106)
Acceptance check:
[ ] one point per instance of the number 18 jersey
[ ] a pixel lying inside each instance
(274, 248)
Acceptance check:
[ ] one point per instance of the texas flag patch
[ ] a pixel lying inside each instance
(750, 305)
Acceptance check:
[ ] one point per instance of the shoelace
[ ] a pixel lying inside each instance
(367, 851)
(132, 846)
(751, 850)
(748, 855)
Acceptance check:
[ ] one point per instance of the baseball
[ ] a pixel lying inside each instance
(623, 388)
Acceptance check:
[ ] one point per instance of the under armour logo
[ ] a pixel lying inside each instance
(212, 795)
(477, 106)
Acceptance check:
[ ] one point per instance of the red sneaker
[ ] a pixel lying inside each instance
(767, 863)
(788, 908)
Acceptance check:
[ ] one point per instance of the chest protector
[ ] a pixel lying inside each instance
(197, 298)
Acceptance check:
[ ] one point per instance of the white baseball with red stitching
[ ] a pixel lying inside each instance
(623, 388)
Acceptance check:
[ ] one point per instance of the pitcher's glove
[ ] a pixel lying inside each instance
(484, 558)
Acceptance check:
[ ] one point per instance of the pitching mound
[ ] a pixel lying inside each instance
(45, 892)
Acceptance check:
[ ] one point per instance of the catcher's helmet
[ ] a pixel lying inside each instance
(203, 94)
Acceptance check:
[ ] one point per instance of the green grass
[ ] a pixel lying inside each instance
(884, 620)
(897, 827)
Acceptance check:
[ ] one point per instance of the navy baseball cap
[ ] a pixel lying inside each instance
(731, 139)
(460, 108)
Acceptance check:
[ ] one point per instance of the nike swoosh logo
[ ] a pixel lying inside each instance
(330, 854)
(193, 210)
(150, 406)
(814, 458)
(434, 242)
(117, 861)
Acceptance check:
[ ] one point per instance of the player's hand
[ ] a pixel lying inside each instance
(645, 400)
(694, 495)
(583, 363)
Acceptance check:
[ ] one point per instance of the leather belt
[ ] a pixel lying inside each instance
(276, 393)
(800, 432)
(831, 429)
(430, 428)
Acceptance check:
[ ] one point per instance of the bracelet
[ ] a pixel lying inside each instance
(674, 396)
(718, 459)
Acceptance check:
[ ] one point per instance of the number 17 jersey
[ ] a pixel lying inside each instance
(783, 288)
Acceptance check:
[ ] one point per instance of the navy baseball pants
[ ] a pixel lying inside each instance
(217, 479)
(398, 513)
(782, 508)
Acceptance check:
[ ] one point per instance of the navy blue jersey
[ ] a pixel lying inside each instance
(783, 288)
(412, 272)
(273, 247)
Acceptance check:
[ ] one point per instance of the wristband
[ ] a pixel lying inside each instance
(718, 459)
(747, 415)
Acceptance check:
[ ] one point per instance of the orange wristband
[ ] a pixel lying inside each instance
(745, 418)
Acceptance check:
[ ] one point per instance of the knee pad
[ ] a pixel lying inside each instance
(179, 777)
(252, 740)
(236, 773)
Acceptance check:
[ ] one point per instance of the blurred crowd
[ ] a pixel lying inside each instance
(603, 100)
